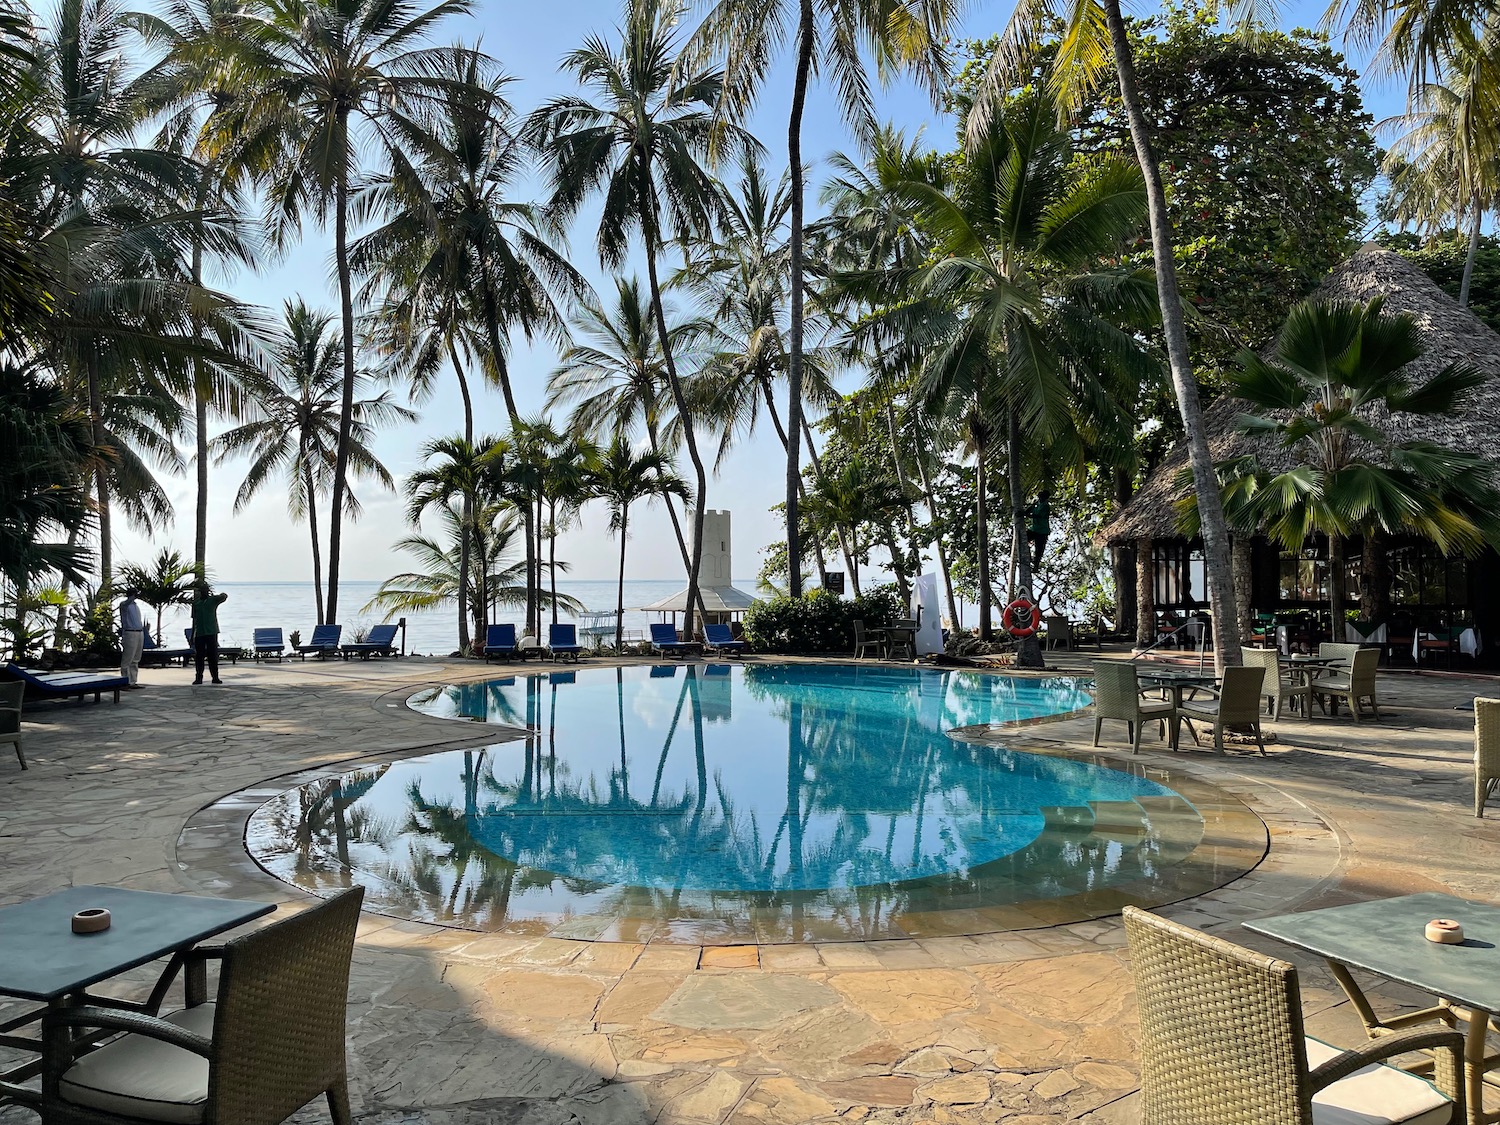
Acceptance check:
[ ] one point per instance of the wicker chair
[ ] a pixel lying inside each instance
(272, 1042)
(1486, 751)
(1276, 690)
(1059, 633)
(863, 641)
(1340, 651)
(11, 696)
(1234, 703)
(1117, 695)
(1354, 687)
(1222, 1044)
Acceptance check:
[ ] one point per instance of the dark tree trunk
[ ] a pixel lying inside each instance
(1215, 529)
(1242, 558)
(101, 478)
(822, 563)
(1029, 650)
(1145, 594)
(1338, 595)
(806, 28)
(982, 534)
(1375, 585)
(620, 589)
(346, 405)
(1124, 564)
(312, 528)
(200, 438)
(1472, 255)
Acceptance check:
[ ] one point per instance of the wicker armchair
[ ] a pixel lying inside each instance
(1340, 651)
(1117, 695)
(11, 696)
(1486, 751)
(1059, 633)
(271, 1042)
(1354, 687)
(1222, 1044)
(1234, 703)
(863, 641)
(1276, 690)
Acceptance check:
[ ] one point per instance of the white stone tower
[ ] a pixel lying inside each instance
(714, 568)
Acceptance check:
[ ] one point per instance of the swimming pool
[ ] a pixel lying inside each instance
(718, 802)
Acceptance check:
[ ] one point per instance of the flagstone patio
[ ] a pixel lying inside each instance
(450, 1026)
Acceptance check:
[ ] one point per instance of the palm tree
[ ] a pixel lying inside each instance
(1348, 475)
(317, 70)
(644, 145)
(1030, 331)
(167, 581)
(294, 431)
(1094, 44)
(832, 35)
(613, 375)
(622, 477)
(458, 261)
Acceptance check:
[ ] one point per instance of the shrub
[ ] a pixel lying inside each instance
(818, 621)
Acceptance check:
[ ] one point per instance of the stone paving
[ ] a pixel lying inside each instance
(449, 1027)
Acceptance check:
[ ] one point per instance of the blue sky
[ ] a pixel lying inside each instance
(261, 544)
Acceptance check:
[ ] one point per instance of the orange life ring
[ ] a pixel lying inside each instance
(1021, 618)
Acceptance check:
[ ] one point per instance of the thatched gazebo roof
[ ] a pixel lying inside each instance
(1448, 332)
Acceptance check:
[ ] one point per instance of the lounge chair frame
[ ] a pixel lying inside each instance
(1486, 751)
(12, 696)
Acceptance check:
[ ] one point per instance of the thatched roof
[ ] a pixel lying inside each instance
(1449, 333)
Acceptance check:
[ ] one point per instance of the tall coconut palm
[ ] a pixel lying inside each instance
(621, 477)
(292, 437)
(644, 143)
(323, 75)
(1095, 47)
(613, 376)
(1349, 475)
(1031, 330)
(833, 37)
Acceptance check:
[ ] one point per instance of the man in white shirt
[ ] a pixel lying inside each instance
(132, 636)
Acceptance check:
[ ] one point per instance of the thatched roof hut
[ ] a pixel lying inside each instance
(1449, 333)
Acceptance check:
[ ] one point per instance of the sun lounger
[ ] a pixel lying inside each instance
(67, 685)
(269, 644)
(665, 640)
(381, 641)
(720, 639)
(499, 642)
(324, 642)
(562, 641)
(155, 654)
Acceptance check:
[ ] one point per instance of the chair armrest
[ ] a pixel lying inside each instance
(204, 953)
(1449, 1079)
(1213, 691)
(137, 1023)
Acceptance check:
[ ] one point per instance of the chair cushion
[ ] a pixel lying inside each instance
(139, 1077)
(1200, 708)
(1376, 1095)
(1146, 708)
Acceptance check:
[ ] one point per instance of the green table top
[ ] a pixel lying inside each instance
(41, 958)
(1387, 938)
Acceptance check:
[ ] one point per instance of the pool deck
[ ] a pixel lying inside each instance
(449, 1027)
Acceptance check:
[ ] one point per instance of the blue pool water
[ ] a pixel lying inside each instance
(759, 802)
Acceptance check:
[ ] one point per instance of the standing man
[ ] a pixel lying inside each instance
(132, 637)
(206, 605)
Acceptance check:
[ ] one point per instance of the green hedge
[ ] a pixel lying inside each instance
(818, 621)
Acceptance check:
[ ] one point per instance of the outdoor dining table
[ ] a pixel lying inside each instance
(1387, 937)
(1175, 681)
(42, 960)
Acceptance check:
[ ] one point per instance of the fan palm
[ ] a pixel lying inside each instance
(168, 580)
(644, 144)
(830, 34)
(1032, 335)
(621, 477)
(294, 430)
(1326, 396)
(318, 70)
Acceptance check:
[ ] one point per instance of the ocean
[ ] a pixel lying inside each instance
(290, 605)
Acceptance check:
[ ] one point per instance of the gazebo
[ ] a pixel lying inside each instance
(722, 603)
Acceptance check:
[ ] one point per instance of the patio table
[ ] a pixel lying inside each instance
(1175, 681)
(1386, 937)
(45, 961)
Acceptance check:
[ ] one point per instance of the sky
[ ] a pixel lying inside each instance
(260, 543)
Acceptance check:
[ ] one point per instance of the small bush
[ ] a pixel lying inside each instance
(818, 621)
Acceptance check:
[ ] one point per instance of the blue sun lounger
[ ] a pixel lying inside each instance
(270, 644)
(720, 639)
(665, 640)
(499, 642)
(67, 685)
(153, 653)
(380, 641)
(324, 642)
(562, 641)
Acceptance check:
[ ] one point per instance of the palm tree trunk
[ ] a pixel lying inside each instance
(497, 345)
(1463, 289)
(346, 406)
(620, 588)
(552, 554)
(1338, 596)
(312, 525)
(903, 583)
(1029, 650)
(805, 31)
(532, 616)
(694, 597)
(687, 558)
(481, 604)
(937, 541)
(817, 547)
(982, 537)
(1174, 328)
(817, 464)
(463, 389)
(101, 478)
(1145, 594)
(466, 514)
(200, 435)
